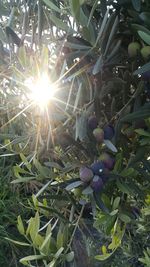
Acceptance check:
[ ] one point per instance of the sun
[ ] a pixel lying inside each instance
(41, 90)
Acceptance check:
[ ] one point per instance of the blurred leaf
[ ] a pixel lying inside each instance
(25, 161)
(116, 203)
(102, 27)
(124, 218)
(70, 256)
(22, 56)
(18, 242)
(138, 27)
(114, 212)
(109, 144)
(100, 203)
(20, 225)
(75, 8)
(54, 211)
(145, 16)
(74, 185)
(127, 172)
(60, 239)
(32, 257)
(46, 244)
(98, 66)
(136, 4)
(143, 113)
(52, 6)
(58, 253)
(34, 227)
(81, 126)
(87, 191)
(124, 187)
(61, 24)
(78, 97)
(142, 132)
(103, 257)
(2, 35)
(112, 34)
(145, 37)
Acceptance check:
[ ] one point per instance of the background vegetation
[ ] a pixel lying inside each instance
(97, 55)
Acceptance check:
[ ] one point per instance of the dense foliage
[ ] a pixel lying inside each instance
(74, 184)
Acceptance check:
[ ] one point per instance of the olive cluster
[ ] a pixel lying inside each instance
(100, 134)
(134, 49)
(97, 174)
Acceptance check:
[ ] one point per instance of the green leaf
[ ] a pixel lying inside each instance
(52, 263)
(75, 8)
(34, 227)
(116, 203)
(124, 187)
(20, 225)
(43, 189)
(103, 257)
(25, 161)
(81, 126)
(102, 27)
(2, 35)
(22, 56)
(145, 37)
(58, 253)
(61, 24)
(124, 218)
(31, 258)
(60, 239)
(92, 11)
(46, 243)
(18, 242)
(127, 172)
(142, 132)
(143, 113)
(138, 27)
(98, 65)
(55, 211)
(17, 170)
(74, 185)
(145, 16)
(114, 212)
(87, 191)
(112, 33)
(70, 256)
(100, 203)
(110, 145)
(52, 6)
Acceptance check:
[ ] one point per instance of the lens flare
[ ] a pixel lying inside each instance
(41, 90)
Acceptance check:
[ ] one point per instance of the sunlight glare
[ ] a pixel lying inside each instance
(41, 90)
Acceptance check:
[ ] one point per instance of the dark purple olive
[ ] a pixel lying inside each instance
(86, 174)
(98, 167)
(105, 178)
(92, 122)
(136, 212)
(145, 76)
(99, 135)
(108, 161)
(109, 132)
(97, 184)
